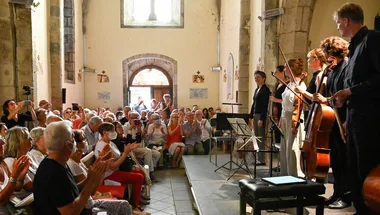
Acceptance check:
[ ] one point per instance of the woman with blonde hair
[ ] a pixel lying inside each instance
(293, 137)
(174, 144)
(17, 145)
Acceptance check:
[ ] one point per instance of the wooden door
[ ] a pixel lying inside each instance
(158, 92)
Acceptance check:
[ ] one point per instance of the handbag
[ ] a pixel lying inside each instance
(127, 165)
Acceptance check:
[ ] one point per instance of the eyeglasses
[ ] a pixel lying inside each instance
(175, 117)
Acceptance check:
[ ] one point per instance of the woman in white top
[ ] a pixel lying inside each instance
(17, 144)
(38, 151)
(79, 171)
(135, 178)
(11, 181)
(157, 132)
(293, 137)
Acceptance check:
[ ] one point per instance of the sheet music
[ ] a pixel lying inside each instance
(242, 129)
(240, 126)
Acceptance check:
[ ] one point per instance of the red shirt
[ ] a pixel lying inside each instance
(176, 137)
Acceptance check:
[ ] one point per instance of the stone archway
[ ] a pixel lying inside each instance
(134, 64)
(294, 27)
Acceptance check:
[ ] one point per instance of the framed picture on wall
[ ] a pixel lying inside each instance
(198, 93)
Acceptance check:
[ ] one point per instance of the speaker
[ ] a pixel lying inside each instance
(377, 22)
(63, 95)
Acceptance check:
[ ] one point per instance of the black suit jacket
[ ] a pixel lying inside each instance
(260, 102)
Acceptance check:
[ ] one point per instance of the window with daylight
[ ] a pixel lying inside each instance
(150, 77)
(152, 13)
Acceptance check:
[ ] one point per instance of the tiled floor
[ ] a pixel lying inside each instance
(171, 195)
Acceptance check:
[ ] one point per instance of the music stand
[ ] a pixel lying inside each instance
(223, 124)
(241, 129)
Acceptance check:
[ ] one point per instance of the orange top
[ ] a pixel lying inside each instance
(176, 137)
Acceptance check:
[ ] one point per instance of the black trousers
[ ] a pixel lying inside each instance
(339, 165)
(363, 135)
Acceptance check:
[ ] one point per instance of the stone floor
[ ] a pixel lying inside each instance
(172, 195)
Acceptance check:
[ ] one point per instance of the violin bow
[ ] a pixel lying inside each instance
(291, 90)
(287, 64)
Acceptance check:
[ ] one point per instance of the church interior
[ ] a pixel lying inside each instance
(115, 57)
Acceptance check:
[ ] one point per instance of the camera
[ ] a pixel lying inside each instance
(28, 90)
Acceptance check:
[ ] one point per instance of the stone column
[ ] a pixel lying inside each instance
(15, 51)
(294, 28)
(56, 53)
(270, 45)
(244, 53)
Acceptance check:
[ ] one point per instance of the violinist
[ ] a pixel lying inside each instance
(336, 49)
(259, 112)
(316, 61)
(361, 92)
(276, 98)
(290, 146)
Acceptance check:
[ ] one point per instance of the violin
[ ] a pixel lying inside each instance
(298, 107)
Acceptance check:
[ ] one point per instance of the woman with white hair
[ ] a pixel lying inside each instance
(38, 151)
(17, 144)
(55, 190)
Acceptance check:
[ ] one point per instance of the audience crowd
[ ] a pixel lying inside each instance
(82, 161)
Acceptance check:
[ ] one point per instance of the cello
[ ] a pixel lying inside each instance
(371, 190)
(315, 156)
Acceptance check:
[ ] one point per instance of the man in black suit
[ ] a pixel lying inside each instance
(259, 111)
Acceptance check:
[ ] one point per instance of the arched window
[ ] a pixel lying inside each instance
(150, 77)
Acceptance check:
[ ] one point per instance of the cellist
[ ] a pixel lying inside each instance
(290, 145)
(336, 49)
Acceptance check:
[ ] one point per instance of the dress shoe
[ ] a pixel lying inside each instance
(331, 200)
(339, 204)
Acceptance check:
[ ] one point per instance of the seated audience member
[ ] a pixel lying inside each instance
(41, 115)
(154, 105)
(133, 128)
(108, 119)
(91, 132)
(12, 117)
(11, 182)
(181, 116)
(38, 151)
(45, 104)
(3, 130)
(125, 118)
(79, 171)
(53, 118)
(195, 108)
(211, 112)
(135, 178)
(175, 145)
(192, 132)
(205, 113)
(187, 110)
(206, 131)
(112, 116)
(144, 119)
(57, 112)
(17, 144)
(55, 190)
(119, 115)
(164, 118)
(140, 152)
(81, 119)
(157, 134)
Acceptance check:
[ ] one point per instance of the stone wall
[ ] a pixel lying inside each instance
(16, 68)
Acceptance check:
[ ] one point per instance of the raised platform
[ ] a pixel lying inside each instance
(216, 196)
